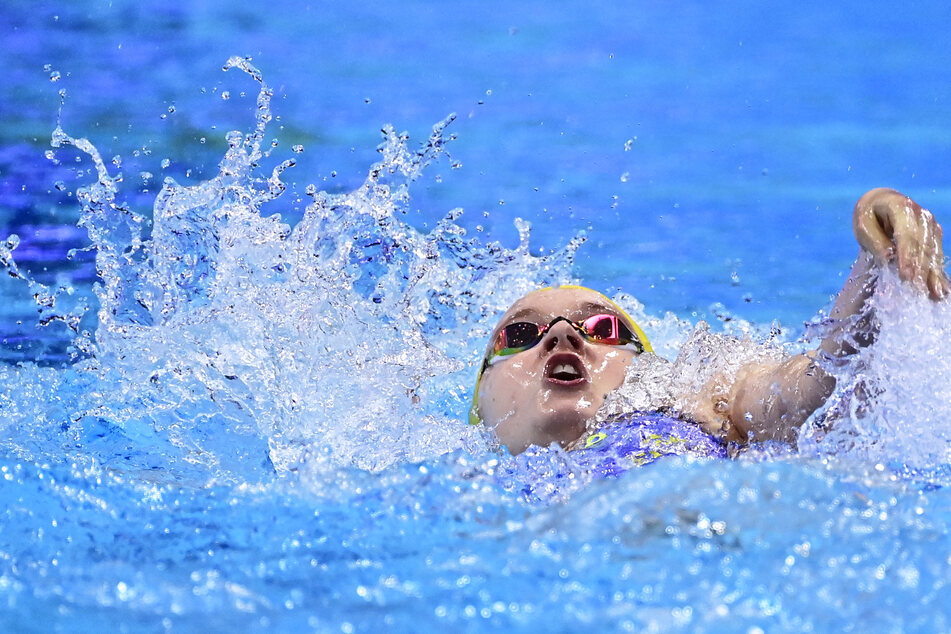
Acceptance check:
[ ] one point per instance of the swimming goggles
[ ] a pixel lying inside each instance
(605, 329)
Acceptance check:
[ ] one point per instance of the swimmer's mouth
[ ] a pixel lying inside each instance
(565, 369)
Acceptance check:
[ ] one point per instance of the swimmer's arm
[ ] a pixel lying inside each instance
(772, 401)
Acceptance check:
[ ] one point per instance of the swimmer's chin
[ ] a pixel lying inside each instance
(561, 428)
(564, 428)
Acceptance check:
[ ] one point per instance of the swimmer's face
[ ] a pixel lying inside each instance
(547, 393)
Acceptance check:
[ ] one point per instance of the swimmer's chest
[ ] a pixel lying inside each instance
(641, 438)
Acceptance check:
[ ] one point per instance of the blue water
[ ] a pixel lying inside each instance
(240, 420)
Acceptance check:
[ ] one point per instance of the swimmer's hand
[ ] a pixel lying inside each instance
(891, 227)
(772, 401)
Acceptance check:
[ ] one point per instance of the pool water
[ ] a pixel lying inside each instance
(241, 324)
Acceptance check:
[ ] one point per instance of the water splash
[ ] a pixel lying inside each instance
(233, 341)
(892, 402)
(49, 301)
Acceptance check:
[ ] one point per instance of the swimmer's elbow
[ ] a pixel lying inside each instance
(772, 402)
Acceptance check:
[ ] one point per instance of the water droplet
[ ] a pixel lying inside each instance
(202, 140)
(366, 100)
(55, 76)
(171, 109)
(297, 149)
(60, 186)
(165, 163)
(117, 160)
(629, 144)
(146, 177)
(226, 94)
(625, 177)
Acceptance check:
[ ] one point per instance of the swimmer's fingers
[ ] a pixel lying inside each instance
(938, 285)
(918, 242)
(893, 227)
(872, 224)
(912, 245)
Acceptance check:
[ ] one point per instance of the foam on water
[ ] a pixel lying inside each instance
(267, 427)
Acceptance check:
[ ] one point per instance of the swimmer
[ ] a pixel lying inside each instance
(557, 353)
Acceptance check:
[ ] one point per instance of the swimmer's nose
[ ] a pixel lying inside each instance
(562, 335)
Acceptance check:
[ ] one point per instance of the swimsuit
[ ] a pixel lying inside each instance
(634, 440)
(641, 438)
